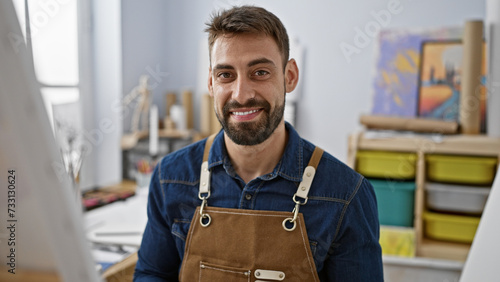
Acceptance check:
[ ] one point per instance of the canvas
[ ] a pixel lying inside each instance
(440, 81)
(395, 86)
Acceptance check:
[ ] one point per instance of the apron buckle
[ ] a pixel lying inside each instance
(205, 218)
(295, 211)
(294, 219)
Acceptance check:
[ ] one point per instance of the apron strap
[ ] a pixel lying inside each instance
(208, 145)
(316, 157)
(302, 191)
(308, 175)
(204, 192)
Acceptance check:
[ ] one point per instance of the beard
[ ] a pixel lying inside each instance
(252, 132)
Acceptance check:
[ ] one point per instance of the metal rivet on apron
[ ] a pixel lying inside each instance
(204, 184)
(248, 197)
(303, 188)
(281, 275)
(308, 174)
(257, 273)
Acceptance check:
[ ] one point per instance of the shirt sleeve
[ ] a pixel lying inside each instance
(355, 254)
(158, 259)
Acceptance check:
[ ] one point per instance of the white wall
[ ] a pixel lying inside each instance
(101, 89)
(335, 91)
(144, 48)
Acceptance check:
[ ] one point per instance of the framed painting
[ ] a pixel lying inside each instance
(440, 81)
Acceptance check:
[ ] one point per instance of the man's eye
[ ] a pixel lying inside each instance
(224, 75)
(261, 73)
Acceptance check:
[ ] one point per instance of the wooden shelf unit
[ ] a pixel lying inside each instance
(473, 145)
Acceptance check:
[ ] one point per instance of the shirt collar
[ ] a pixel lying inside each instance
(290, 166)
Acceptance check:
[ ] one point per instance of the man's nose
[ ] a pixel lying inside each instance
(243, 90)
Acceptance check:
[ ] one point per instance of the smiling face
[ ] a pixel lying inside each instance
(248, 84)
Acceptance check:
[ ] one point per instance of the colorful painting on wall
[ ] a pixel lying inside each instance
(439, 81)
(397, 68)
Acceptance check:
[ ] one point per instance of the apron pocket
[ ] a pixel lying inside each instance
(210, 272)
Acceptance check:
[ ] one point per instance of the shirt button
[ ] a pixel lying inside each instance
(248, 197)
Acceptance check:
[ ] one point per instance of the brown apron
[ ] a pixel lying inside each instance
(249, 245)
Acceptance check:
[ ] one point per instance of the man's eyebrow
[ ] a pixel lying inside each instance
(223, 67)
(261, 61)
(250, 64)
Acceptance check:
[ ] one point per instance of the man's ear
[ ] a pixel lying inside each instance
(291, 75)
(209, 82)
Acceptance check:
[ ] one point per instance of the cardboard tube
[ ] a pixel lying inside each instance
(171, 100)
(214, 122)
(205, 116)
(409, 124)
(153, 131)
(187, 103)
(470, 118)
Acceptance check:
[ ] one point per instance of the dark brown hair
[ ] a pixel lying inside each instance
(248, 19)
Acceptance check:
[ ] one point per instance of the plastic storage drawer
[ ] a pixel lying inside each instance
(395, 201)
(456, 198)
(461, 169)
(382, 164)
(397, 241)
(449, 227)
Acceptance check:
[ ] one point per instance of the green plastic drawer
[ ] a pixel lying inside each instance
(395, 201)
(461, 169)
(382, 164)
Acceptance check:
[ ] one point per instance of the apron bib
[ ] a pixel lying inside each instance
(235, 245)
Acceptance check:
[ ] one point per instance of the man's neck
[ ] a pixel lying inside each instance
(251, 162)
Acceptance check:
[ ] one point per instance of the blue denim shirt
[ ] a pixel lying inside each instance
(341, 213)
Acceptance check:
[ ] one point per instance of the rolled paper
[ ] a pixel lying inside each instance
(206, 108)
(409, 124)
(470, 109)
(153, 131)
(214, 122)
(187, 103)
(171, 100)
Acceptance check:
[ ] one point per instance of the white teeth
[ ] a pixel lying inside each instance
(245, 113)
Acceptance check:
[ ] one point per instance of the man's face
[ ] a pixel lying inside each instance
(247, 82)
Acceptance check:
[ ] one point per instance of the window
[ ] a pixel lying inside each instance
(50, 30)
(78, 68)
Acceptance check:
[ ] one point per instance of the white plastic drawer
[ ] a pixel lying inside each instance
(456, 198)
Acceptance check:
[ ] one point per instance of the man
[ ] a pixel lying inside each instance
(256, 201)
